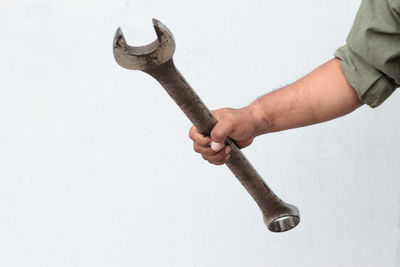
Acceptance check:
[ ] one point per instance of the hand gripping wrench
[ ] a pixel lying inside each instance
(156, 60)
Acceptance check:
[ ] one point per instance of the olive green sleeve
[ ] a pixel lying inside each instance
(370, 59)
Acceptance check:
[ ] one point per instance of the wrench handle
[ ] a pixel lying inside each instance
(278, 215)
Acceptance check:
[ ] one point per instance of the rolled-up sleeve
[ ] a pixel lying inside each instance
(370, 59)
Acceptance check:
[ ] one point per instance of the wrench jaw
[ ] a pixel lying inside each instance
(145, 57)
(165, 37)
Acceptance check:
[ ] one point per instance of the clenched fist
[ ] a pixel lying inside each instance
(238, 124)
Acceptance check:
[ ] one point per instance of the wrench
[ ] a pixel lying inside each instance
(156, 60)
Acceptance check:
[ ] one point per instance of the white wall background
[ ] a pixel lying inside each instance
(96, 168)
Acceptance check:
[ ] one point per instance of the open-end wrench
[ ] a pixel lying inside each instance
(156, 60)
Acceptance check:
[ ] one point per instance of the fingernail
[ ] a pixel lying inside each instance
(216, 146)
(228, 150)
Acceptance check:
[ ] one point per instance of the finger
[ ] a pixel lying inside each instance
(220, 162)
(198, 138)
(221, 130)
(220, 156)
(204, 150)
(217, 146)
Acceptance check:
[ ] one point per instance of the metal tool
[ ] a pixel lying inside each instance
(156, 60)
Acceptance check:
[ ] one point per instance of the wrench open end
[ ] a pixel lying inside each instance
(144, 57)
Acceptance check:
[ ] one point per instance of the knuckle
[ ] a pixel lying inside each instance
(222, 112)
(196, 148)
(191, 132)
(202, 142)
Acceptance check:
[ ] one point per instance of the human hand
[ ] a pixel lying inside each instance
(238, 124)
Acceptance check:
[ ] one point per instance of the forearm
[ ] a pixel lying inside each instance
(322, 95)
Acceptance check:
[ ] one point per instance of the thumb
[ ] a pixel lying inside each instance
(220, 131)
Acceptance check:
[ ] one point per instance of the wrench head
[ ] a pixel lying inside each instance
(145, 57)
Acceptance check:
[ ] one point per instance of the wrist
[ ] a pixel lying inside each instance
(260, 119)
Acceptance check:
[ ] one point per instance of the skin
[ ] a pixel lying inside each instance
(320, 96)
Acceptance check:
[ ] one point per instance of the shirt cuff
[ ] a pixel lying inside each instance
(372, 86)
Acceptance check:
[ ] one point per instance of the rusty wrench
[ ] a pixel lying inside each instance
(156, 60)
